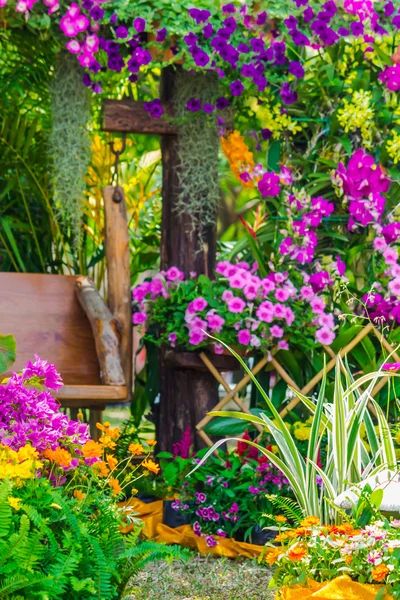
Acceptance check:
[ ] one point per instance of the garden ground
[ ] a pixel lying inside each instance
(204, 578)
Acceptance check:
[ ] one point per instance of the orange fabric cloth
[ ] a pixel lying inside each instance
(341, 588)
(152, 516)
(185, 537)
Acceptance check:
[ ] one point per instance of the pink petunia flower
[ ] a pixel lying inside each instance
(277, 331)
(236, 305)
(325, 336)
(244, 337)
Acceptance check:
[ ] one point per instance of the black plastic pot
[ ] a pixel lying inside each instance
(174, 518)
(260, 536)
(147, 498)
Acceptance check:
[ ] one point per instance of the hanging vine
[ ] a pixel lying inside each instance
(198, 152)
(69, 143)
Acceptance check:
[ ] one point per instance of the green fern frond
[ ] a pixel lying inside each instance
(288, 507)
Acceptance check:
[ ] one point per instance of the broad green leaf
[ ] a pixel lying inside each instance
(7, 352)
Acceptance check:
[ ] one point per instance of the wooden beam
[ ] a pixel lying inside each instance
(84, 396)
(105, 331)
(129, 116)
(119, 275)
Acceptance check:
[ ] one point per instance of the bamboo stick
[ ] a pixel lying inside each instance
(226, 387)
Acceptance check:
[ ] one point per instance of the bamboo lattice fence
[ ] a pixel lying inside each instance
(233, 394)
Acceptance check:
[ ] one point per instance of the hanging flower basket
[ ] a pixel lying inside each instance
(184, 359)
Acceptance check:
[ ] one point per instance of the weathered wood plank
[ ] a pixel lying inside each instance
(105, 331)
(90, 395)
(118, 275)
(129, 116)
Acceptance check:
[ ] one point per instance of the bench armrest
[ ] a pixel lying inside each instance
(105, 331)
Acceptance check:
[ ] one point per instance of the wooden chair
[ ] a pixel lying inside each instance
(64, 320)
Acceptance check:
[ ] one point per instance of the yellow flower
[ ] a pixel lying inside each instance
(393, 147)
(302, 433)
(114, 485)
(280, 519)
(309, 521)
(14, 502)
(80, 416)
(79, 495)
(101, 468)
(151, 442)
(112, 461)
(358, 114)
(92, 449)
(150, 466)
(136, 449)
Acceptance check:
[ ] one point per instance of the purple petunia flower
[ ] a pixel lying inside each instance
(96, 13)
(121, 32)
(139, 24)
(193, 105)
(208, 31)
(222, 103)
(287, 94)
(296, 69)
(161, 35)
(229, 8)
(236, 88)
(208, 108)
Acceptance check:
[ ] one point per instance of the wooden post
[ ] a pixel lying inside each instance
(118, 275)
(186, 395)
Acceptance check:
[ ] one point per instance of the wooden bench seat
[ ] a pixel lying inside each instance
(64, 320)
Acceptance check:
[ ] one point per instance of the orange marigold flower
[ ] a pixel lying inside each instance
(281, 537)
(310, 521)
(101, 468)
(92, 449)
(302, 532)
(280, 519)
(380, 572)
(114, 485)
(150, 466)
(112, 461)
(79, 495)
(272, 555)
(348, 560)
(297, 553)
(136, 449)
(59, 456)
(151, 442)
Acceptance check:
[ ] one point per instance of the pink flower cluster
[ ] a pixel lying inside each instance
(246, 310)
(363, 183)
(391, 77)
(72, 23)
(383, 301)
(302, 242)
(29, 414)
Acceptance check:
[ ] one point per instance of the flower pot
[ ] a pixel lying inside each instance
(174, 518)
(182, 359)
(147, 498)
(260, 536)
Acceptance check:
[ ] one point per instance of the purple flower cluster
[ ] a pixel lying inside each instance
(363, 183)
(309, 212)
(29, 414)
